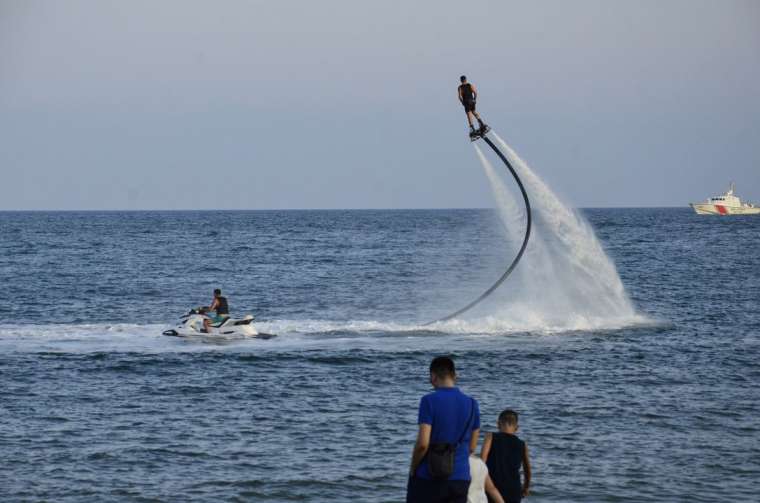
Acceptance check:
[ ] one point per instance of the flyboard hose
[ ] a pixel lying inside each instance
(519, 253)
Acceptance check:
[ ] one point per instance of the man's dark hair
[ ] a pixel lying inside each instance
(217, 291)
(508, 417)
(462, 78)
(442, 367)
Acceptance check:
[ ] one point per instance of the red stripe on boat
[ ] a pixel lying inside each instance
(721, 209)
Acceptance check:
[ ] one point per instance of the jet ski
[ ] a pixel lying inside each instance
(191, 325)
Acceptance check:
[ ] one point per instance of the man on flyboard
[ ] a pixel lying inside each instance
(467, 97)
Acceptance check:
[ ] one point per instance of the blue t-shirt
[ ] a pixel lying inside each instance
(447, 410)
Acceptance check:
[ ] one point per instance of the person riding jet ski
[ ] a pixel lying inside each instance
(219, 304)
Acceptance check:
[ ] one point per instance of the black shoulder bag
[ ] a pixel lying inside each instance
(440, 456)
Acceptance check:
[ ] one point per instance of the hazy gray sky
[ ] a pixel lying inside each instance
(352, 104)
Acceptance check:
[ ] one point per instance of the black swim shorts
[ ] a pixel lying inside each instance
(469, 106)
(437, 491)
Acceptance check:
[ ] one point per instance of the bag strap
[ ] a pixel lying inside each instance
(469, 421)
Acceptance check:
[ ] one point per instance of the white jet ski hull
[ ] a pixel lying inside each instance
(191, 325)
(192, 333)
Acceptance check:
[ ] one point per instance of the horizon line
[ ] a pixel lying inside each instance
(187, 210)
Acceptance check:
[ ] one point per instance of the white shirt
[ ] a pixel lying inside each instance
(478, 472)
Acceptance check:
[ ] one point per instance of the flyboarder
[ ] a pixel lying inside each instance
(467, 97)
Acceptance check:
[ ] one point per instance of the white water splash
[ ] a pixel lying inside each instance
(565, 279)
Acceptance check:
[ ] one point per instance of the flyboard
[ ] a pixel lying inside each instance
(475, 136)
(191, 325)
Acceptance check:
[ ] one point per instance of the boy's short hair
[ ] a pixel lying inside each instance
(217, 291)
(442, 367)
(462, 78)
(508, 417)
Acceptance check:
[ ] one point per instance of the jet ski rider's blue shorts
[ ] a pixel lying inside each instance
(217, 319)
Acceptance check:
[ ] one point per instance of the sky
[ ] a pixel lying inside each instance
(352, 104)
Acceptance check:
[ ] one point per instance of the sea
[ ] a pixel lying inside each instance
(628, 341)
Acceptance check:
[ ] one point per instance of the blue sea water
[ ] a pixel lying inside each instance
(97, 405)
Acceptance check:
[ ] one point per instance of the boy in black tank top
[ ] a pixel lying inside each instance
(504, 453)
(468, 95)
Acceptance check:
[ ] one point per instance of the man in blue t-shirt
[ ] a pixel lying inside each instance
(446, 416)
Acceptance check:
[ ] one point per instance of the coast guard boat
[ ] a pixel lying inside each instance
(727, 204)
